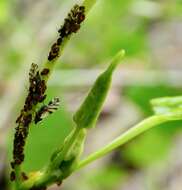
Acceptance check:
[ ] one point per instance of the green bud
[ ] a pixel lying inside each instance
(88, 113)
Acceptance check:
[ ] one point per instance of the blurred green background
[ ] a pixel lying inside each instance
(151, 33)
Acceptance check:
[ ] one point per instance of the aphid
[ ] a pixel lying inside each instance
(34, 82)
(54, 52)
(45, 71)
(33, 71)
(28, 103)
(27, 120)
(24, 176)
(19, 119)
(81, 17)
(45, 110)
(12, 165)
(12, 176)
(59, 41)
(41, 88)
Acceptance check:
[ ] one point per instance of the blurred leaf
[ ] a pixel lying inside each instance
(167, 105)
(4, 11)
(141, 95)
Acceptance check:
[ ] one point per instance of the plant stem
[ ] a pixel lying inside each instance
(65, 150)
(18, 176)
(127, 136)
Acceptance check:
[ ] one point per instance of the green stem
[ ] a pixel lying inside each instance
(65, 150)
(18, 176)
(127, 136)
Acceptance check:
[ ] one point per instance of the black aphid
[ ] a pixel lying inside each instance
(45, 110)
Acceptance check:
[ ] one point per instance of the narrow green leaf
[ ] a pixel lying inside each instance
(87, 114)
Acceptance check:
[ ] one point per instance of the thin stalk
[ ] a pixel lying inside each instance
(65, 150)
(125, 137)
(18, 176)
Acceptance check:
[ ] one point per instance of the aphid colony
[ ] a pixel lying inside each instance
(71, 25)
(36, 94)
(37, 89)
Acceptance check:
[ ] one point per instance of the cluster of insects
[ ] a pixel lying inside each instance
(36, 94)
(71, 25)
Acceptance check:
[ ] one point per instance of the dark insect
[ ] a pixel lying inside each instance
(59, 41)
(33, 71)
(12, 165)
(12, 176)
(45, 110)
(19, 119)
(19, 142)
(54, 52)
(45, 72)
(24, 176)
(27, 120)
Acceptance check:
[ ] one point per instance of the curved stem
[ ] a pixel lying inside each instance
(125, 137)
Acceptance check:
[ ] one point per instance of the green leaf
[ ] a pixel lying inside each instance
(87, 114)
(167, 105)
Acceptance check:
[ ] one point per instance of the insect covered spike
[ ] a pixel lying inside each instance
(45, 110)
(72, 24)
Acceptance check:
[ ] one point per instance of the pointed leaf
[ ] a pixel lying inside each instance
(87, 114)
